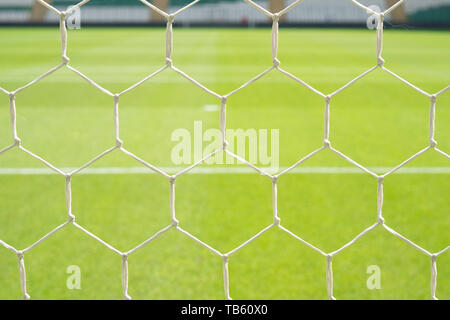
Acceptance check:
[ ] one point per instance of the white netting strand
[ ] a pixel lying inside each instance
(223, 100)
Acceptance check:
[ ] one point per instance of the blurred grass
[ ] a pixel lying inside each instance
(378, 122)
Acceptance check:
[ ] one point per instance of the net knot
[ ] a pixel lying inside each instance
(175, 222)
(20, 254)
(276, 221)
(170, 18)
(169, 62)
(433, 143)
(380, 61)
(326, 143)
(119, 143)
(433, 98)
(225, 144)
(65, 60)
(275, 17)
(328, 99)
(381, 220)
(17, 141)
(71, 218)
(276, 63)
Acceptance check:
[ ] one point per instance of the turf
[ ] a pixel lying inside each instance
(379, 122)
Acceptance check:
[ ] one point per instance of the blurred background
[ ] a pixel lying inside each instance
(430, 13)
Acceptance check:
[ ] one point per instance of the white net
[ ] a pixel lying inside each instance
(225, 256)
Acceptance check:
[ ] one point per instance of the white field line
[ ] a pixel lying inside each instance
(224, 170)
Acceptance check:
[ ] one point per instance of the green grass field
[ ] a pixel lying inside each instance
(378, 122)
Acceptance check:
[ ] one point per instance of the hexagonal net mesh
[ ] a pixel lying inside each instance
(223, 100)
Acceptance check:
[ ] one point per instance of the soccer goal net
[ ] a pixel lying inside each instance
(274, 65)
